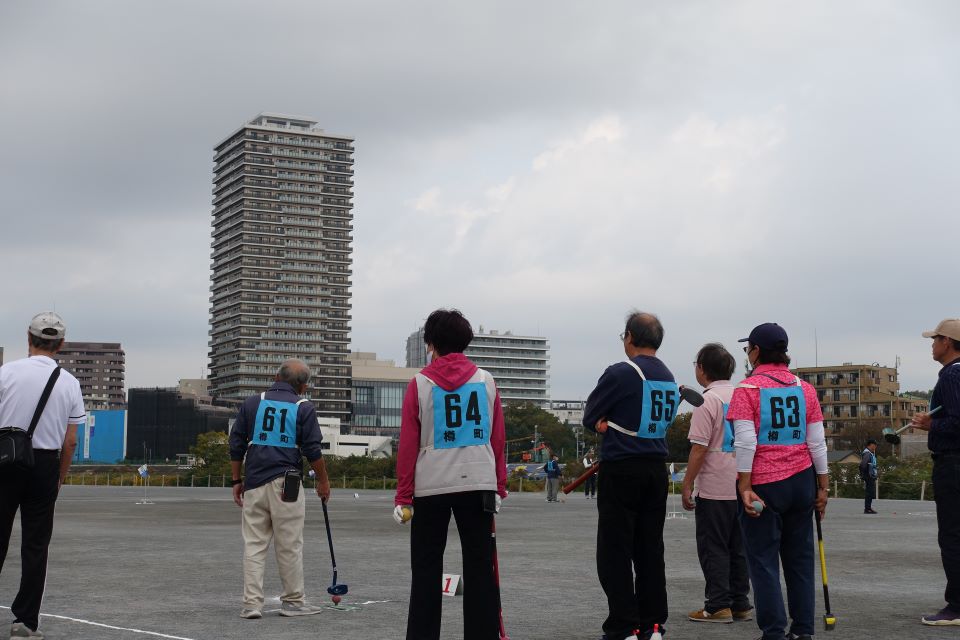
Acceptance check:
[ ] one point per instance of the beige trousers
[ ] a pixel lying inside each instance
(266, 517)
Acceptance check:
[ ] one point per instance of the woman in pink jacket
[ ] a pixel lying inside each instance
(451, 461)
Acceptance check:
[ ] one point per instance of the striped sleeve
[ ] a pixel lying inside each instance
(78, 415)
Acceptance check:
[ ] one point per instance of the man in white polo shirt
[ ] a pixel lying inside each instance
(33, 491)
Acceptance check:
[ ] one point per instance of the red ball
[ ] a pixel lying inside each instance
(336, 599)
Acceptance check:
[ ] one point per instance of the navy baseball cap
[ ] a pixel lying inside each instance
(769, 336)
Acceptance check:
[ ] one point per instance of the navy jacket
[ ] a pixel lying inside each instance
(264, 463)
(945, 424)
(552, 469)
(619, 397)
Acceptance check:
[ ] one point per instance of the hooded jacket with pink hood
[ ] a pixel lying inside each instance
(451, 433)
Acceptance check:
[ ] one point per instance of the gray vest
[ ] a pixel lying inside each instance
(455, 427)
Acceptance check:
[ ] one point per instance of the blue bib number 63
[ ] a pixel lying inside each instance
(783, 416)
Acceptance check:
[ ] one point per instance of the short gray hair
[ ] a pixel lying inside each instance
(294, 372)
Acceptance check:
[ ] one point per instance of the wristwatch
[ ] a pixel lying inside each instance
(236, 482)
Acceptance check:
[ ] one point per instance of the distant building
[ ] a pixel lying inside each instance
(378, 388)
(100, 368)
(337, 443)
(860, 399)
(520, 364)
(102, 439)
(282, 234)
(568, 411)
(416, 350)
(164, 422)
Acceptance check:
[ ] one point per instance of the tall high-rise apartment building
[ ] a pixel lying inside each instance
(520, 364)
(100, 368)
(282, 233)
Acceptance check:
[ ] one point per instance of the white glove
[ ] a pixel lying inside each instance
(403, 513)
(497, 502)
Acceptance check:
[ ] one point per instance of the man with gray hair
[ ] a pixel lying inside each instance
(272, 432)
(41, 399)
(633, 405)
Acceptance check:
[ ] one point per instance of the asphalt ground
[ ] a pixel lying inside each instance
(173, 570)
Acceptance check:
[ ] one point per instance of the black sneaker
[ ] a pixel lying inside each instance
(871, 511)
(942, 618)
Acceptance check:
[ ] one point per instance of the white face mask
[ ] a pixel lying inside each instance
(429, 356)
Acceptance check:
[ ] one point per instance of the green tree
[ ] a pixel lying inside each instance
(213, 453)
(523, 418)
(678, 446)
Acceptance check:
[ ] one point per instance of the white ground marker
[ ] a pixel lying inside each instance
(109, 626)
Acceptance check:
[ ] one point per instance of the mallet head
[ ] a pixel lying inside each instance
(891, 436)
(829, 622)
(337, 590)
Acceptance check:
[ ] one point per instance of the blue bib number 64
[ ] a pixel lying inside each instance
(461, 418)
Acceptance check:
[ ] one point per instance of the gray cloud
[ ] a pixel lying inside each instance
(544, 166)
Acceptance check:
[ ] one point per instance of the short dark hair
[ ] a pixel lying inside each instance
(448, 331)
(772, 356)
(645, 330)
(44, 344)
(956, 344)
(716, 361)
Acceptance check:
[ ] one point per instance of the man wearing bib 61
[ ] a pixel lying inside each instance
(633, 404)
(271, 431)
(778, 437)
(451, 460)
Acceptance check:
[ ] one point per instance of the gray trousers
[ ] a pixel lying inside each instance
(552, 485)
(721, 556)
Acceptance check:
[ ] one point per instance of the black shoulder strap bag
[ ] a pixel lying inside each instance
(16, 445)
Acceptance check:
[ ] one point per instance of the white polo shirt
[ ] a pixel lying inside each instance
(21, 385)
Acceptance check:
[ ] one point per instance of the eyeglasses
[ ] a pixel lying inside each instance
(747, 349)
(623, 336)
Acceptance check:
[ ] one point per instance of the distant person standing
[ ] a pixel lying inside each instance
(451, 461)
(868, 473)
(552, 469)
(590, 485)
(272, 433)
(782, 463)
(944, 444)
(36, 392)
(633, 404)
(712, 476)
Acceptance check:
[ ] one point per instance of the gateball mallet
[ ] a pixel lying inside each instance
(695, 398)
(829, 620)
(893, 437)
(335, 590)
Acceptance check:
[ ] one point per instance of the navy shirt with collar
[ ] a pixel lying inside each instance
(265, 463)
(618, 397)
(945, 424)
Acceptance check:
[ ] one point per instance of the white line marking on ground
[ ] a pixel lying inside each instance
(109, 626)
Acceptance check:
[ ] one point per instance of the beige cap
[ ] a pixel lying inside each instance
(48, 325)
(949, 327)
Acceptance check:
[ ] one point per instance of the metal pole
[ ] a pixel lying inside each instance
(923, 490)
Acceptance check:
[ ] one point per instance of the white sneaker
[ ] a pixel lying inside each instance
(251, 614)
(289, 609)
(20, 630)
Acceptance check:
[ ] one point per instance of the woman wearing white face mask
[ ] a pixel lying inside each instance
(451, 461)
(782, 464)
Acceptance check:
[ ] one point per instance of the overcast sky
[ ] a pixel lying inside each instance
(543, 166)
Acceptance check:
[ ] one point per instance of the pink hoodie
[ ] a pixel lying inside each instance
(449, 372)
